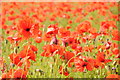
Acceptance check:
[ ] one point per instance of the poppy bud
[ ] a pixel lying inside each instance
(18, 47)
(13, 65)
(107, 39)
(102, 42)
(6, 41)
(39, 70)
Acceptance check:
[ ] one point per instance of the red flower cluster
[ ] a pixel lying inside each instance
(80, 41)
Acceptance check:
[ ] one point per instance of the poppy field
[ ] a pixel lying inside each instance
(60, 40)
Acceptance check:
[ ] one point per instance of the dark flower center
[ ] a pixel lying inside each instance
(96, 66)
(103, 60)
(20, 58)
(70, 42)
(27, 29)
(84, 65)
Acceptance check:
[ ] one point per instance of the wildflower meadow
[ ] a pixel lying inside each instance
(60, 40)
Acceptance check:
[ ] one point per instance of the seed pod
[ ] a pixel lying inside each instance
(39, 70)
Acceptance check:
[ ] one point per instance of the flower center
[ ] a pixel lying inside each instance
(84, 65)
(20, 58)
(27, 29)
(103, 60)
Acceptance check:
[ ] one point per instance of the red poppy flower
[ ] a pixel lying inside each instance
(70, 22)
(52, 29)
(20, 73)
(33, 48)
(16, 59)
(116, 51)
(88, 48)
(116, 35)
(81, 64)
(69, 41)
(83, 27)
(38, 39)
(97, 64)
(30, 47)
(101, 58)
(47, 37)
(28, 28)
(31, 55)
(21, 58)
(108, 24)
(27, 53)
(69, 56)
(14, 39)
(103, 47)
(92, 30)
(77, 48)
(63, 32)
(51, 50)
(52, 19)
(7, 75)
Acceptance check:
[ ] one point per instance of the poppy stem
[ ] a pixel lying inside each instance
(100, 72)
